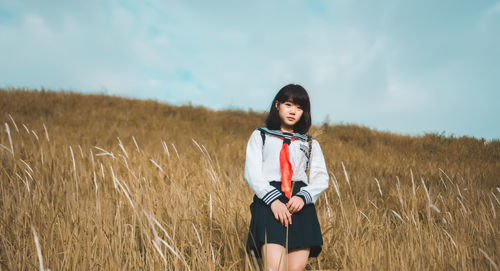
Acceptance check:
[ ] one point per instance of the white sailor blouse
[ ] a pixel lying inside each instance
(262, 165)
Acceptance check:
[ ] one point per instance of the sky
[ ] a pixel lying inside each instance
(408, 67)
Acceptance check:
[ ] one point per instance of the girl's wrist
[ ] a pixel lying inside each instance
(305, 196)
(274, 202)
(301, 197)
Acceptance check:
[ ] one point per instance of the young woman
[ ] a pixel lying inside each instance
(278, 159)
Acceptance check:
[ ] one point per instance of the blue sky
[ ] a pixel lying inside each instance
(408, 67)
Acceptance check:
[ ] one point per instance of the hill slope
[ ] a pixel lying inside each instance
(98, 120)
(113, 183)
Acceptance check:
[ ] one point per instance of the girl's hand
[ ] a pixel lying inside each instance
(295, 204)
(281, 213)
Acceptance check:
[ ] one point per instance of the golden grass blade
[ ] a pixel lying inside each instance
(369, 221)
(495, 266)
(7, 129)
(412, 184)
(165, 147)
(136, 145)
(38, 249)
(197, 235)
(5, 147)
(496, 199)
(26, 129)
(379, 189)
(104, 152)
(176, 153)
(158, 166)
(451, 239)
(120, 144)
(14, 123)
(346, 175)
(46, 132)
(397, 215)
(26, 164)
(328, 212)
(35, 135)
(81, 151)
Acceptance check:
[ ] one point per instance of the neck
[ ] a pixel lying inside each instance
(286, 129)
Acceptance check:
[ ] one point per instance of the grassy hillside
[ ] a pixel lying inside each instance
(111, 183)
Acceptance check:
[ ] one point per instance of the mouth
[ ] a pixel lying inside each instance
(290, 118)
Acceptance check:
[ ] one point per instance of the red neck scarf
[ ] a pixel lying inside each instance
(286, 168)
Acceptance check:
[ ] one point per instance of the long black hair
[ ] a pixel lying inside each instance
(297, 95)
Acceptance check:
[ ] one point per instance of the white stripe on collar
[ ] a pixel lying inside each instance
(284, 135)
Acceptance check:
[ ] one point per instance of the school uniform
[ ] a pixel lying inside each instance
(263, 174)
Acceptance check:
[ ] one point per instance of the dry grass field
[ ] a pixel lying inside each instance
(92, 182)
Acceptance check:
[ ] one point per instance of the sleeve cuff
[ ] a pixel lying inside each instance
(271, 196)
(305, 196)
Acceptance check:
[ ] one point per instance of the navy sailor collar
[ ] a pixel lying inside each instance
(283, 135)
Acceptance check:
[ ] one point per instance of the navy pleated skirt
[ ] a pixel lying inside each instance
(304, 232)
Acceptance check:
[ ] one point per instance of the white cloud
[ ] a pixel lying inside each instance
(403, 96)
(37, 26)
(494, 10)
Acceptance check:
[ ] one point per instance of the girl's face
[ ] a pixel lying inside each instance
(289, 114)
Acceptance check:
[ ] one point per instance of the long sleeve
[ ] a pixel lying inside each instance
(318, 179)
(253, 171)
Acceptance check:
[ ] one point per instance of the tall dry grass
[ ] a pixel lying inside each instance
(98, 182)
